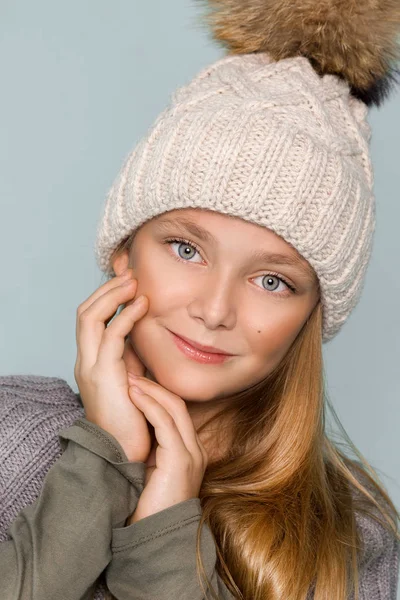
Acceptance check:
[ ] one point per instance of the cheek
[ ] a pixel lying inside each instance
(272, 335)
(150, 270)
(163, 281)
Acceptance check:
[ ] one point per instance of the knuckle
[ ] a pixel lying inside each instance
(181, 405)
(170, 420)
(83, 315)
(108, 332)
(83, 377)
(79, 310)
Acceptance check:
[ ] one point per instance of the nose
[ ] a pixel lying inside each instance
(214, 303)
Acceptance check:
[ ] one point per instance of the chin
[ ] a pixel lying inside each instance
(183, 383)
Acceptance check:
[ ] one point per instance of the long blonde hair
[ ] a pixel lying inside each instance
(280, 503)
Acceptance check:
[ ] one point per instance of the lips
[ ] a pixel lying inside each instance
(208, 349)
(199, 356)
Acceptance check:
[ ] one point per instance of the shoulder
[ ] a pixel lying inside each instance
(35, 406)
(377, 539)
(39, 388)
(379, 560)
(33, 409)
(380, 545)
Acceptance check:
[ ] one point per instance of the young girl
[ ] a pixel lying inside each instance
(236, 238)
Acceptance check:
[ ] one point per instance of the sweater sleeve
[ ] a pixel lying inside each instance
(61, 543)
(156, 557)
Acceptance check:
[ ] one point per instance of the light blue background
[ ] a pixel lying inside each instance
(81, 83)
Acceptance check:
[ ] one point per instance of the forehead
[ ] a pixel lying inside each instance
(213, 222)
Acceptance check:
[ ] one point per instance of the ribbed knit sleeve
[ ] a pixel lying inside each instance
(380, 555)
(33, 408)
(379, 570)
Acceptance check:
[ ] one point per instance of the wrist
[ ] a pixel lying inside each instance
(130, 520)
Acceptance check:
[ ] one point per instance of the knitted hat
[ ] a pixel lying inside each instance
(275, 133)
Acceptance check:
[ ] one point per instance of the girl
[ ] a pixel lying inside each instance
(236, 238)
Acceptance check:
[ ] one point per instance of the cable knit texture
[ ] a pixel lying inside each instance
(33, 409)
(273, 143)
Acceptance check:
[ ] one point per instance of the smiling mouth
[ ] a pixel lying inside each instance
(200, 347)
(197, 354)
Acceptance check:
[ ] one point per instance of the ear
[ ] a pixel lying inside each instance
(121, 262)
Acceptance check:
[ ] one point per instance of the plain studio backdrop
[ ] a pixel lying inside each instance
(81, 83)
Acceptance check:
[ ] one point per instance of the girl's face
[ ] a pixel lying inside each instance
(209, 286)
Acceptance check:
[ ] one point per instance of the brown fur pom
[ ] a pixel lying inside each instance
(354, 39)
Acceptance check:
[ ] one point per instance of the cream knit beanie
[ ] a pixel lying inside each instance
(279, 142)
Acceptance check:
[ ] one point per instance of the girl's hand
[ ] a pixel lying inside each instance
(177, 465)
(103, 360)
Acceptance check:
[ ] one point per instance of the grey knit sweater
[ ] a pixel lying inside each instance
(33, 409)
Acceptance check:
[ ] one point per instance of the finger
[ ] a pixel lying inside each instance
(165, 429)
(91, 321)
(105, 287)
(112, 344)
(133, 363)
(177, 409)
(109, 285)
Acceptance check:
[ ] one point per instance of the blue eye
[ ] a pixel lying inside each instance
(185, 244)
(272, 276)
(185, 256)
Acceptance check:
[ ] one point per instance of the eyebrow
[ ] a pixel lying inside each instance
(258, 255)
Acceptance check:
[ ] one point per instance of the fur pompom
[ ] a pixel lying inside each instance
(354, 39)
